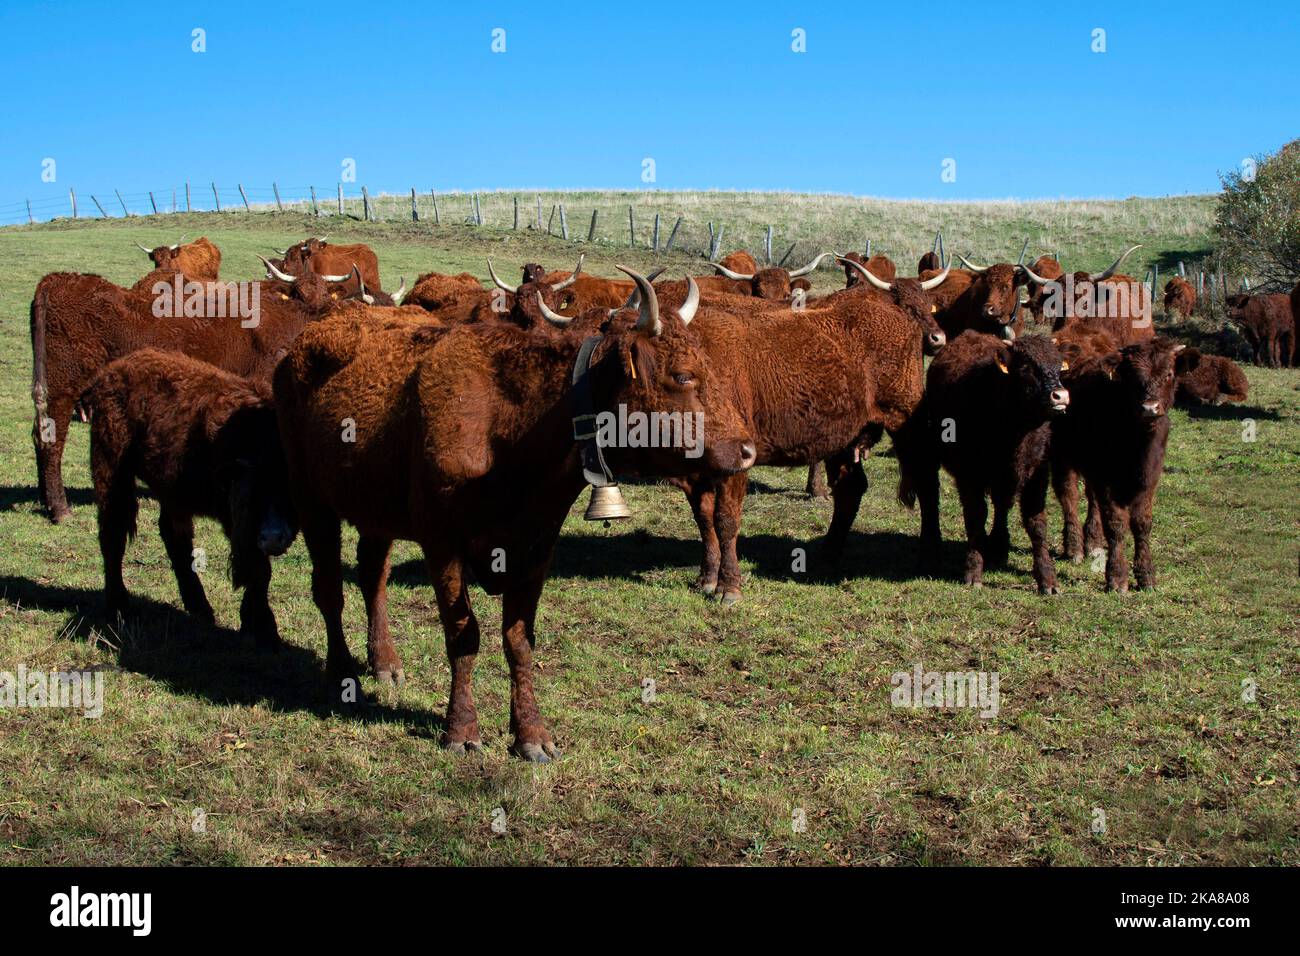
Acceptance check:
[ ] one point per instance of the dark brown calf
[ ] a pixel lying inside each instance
(206, 443)
(1180, 297)
(985, 419)
(1114, 436)
(1210, 380)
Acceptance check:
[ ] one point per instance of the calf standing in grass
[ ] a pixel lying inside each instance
(1115, 437)
(985, 418)
(206, 443)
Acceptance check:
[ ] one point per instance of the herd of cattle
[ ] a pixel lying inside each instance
(459, 417)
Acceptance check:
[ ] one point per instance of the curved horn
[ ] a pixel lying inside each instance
(731, 275)
(343, 278)
(691, 303)
(933, 281)
(649, 321)
(280, 252)
(810, 266)
(499, 284)
(970, 265)
(400, 294)
(1098, 276)
(866, 273)
(179, 244)
(651, 276)
(282, 276)
(147, 252)
(634, 299)
(565, 283)
(557, 320)
(1036, 279)
(366, 297)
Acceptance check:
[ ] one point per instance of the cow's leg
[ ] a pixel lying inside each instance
(532, 740)
(848, 485)
(322, 534)
(918, 473)
(372, 575)
(1114, 520)
(815, 486)
(1033, 515)
(1140, 521)
(49, 457)
(974, 514)
(998, 549)
(255, 614)
(117, 509)
(1065, 482)
(726, 517)
(1093, 535)
(460, 628)
(177, 530)
(703, 498)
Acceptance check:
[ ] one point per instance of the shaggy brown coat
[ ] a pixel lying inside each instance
(200, 259)
(1180, 297)
(1267, 325)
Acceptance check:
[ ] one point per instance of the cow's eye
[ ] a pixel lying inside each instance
(684, 379)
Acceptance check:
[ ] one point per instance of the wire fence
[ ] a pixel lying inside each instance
(631, 225)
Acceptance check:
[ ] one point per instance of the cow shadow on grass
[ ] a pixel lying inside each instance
(11, 496)
(218, 664)
(1230, 412)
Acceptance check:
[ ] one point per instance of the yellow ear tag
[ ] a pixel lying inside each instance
(1003, 366)
(1065, 366)
(631, 366)
(934, 309)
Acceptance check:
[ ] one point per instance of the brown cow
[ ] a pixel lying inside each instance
(80, 323)
(983, 298)
(774, 282)
(740, 261)
(1180, 297)
(929, 261)
(465, 444)
(1105, 301)
(880, 266)
(1267, 324)
(985, 419)
(206, 443)
(819, 383)
(433, 290)
(1115, 436)
(200, 259)
(1210, 380)
(317, 255)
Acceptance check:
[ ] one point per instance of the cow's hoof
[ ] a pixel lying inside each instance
(391, 676)
(535, 752)
(1120, 588)
(56, 517)
(462, 746)
(1049, 588)
(728, 598)
(705, 586)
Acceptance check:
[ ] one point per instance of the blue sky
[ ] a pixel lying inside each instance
(585, 91)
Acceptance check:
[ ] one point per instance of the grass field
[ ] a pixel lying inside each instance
(1128, 705)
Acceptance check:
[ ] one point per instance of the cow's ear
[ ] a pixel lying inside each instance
(1186, 360)
(1003, 359)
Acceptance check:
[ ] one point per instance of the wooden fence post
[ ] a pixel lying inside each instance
(173, 199)
(276, 189)
(717, 243)
(216, 197)
(415, 213)
(152, 203)
(98, 206)
(767, 246)
(72, 194)
(539, 213)
(30, 220)
(516, 225)
(244, 196)
(437, 219)
(315, 211)
(867, 253)
(668, 247)
(654, 238)
(550, 219)
(787, 253)
(340, 185)
(1023, 250)
(187, 196)
(120, 200)
(631, 228)
(564, 224)
(591, 230)
(365, 204)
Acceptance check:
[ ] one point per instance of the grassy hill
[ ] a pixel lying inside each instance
(1132, 705)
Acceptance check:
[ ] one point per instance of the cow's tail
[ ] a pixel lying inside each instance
(40, 388)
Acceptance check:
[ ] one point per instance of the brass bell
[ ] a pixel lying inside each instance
(606, 503)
